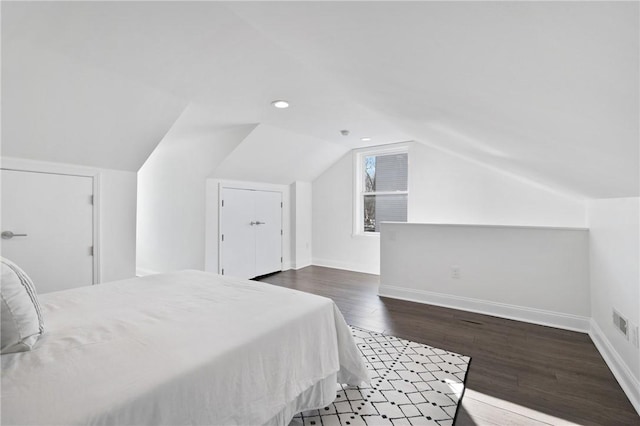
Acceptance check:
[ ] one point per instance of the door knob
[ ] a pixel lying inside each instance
(260, 223)
(7, 235)
(253, 223)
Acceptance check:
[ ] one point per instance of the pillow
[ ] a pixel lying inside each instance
(20, 312)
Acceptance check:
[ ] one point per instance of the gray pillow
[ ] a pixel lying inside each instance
(21, 317)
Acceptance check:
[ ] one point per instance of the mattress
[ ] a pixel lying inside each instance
(180, 348)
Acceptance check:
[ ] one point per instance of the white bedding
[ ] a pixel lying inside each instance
(180, 348)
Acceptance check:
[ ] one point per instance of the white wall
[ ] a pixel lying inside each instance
(171, 193)
(301, 224)
(177, 188)
(442, 189)
(615, 283)
(535, 274)
(333, 243)
(211, 235)
(118, 201)
(116, 198)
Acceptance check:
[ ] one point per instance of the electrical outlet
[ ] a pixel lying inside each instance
(621, 324)
(455, 272)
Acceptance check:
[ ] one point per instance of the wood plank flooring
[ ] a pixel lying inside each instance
(521, 374)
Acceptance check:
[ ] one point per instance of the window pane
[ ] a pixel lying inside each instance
(369, 177)
(369, 213)
(391, 172)
(382, 208)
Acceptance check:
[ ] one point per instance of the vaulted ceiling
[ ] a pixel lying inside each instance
(545, 90)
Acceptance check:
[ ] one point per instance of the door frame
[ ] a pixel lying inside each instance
(33, 166)
(246, 187)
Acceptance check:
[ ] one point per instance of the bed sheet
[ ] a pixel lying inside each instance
(180, 348)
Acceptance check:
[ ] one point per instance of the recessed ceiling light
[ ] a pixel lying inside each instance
(280, 104)
(366, 139)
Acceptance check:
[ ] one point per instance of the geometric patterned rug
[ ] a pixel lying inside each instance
(411, 384)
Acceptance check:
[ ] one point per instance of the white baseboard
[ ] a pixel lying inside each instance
(347, 266)
(303, 264)
(496, 309)
(287, 265)
(629, 384)
(141, 272)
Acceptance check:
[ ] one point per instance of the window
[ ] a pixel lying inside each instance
(382, 189)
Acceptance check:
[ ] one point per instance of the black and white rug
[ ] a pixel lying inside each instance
(411, 384)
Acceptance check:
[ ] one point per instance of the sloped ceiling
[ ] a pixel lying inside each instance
(253, 159)
(548, 91)
(59, 110)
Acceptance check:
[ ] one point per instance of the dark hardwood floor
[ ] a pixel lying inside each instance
(520, 373)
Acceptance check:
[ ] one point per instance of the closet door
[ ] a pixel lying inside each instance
(268, 213)
(238, 233)
(250, 232)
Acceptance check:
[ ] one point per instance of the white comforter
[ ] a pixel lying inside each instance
(180, 348)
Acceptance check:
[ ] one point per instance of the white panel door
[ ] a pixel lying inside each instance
(56, 214)
(250, 232)
(237, 233)
(268, 213)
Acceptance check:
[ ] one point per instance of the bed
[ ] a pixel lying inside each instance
(180, 348)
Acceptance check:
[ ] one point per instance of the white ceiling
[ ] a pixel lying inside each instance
(299, 157)
(548, 91)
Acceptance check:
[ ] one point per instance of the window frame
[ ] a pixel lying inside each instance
(358, 183)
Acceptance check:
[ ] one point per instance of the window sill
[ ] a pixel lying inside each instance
(366, 235)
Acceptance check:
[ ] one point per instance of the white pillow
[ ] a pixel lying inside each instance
(21, 318)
